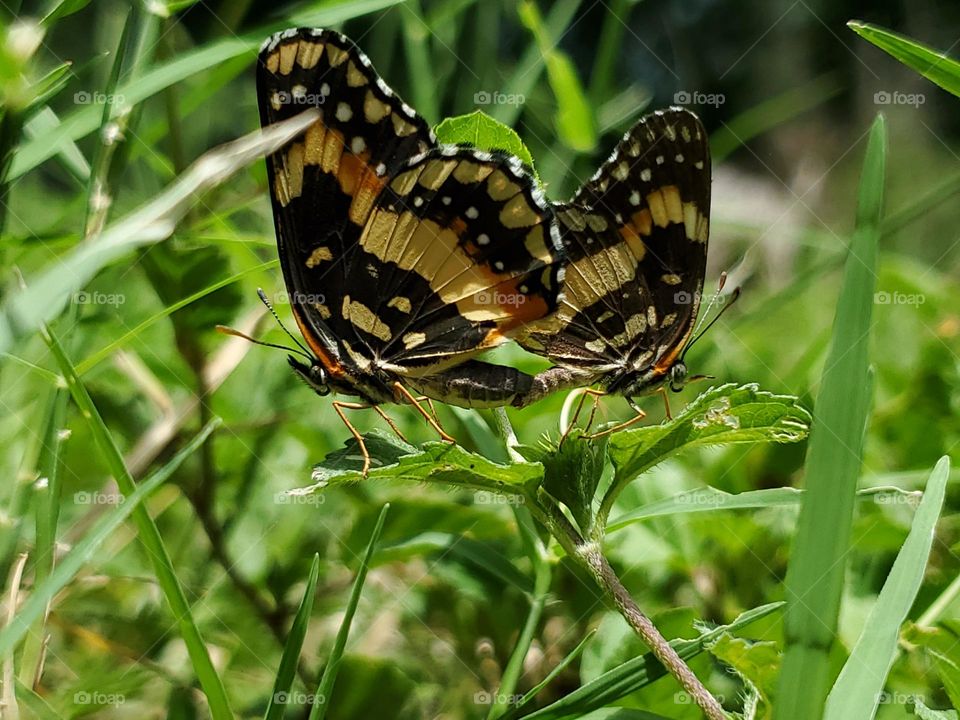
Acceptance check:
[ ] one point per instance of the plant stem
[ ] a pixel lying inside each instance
(589, 555)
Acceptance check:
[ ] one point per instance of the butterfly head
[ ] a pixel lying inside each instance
(313, 375)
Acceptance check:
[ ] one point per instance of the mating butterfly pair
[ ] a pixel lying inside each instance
(404, 258)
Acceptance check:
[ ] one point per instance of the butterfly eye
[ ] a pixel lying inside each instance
(318, 380)
(678, 377)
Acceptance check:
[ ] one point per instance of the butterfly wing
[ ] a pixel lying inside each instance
(324, 184)
(461, 250)
(635, 237)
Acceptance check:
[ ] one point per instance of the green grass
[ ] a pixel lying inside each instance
(171, 567)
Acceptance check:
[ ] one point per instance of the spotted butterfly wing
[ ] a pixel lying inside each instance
(401, 257)
(635, 237)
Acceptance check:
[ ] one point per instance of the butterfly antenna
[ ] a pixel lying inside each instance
(299, 349)
(263, 298)
(704, 325)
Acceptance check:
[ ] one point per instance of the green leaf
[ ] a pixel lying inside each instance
(856, 692)
(322, 698)
(815, 577)
(942, 645)
(81, 554)
(637, 673)
(935, 66)
(925, 713)
(726, 415)
(572, 472)
(710, 499)
(291, 649)
(758, 663)
(439, 462)
(450, 546)
(482, 131)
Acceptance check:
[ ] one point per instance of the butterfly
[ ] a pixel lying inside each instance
(402, 258)
(635, 245)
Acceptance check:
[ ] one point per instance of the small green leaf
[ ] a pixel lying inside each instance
(758, 663)
(935, 66)
(925, 713)
(482, 131)
(856, 693)
(942, 645)
(438, 462)
(572, 472)
(726, 415)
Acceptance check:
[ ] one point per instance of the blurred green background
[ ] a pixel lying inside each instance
(787, 92)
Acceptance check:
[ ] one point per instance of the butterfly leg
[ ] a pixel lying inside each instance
(339, 407)
(640, 415)
(390, 422)
(666, 402)
(584, 394)
(404, 393)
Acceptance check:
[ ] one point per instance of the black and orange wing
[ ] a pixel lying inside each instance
(635, 237)
(460, 252)
(323, 184)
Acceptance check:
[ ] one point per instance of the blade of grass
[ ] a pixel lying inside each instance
(416, 43)
(322, 698)
(291, 650)
(98, 356)
(83, 551)
(85, 120)
(935, 66)
(859, 688)
(814, 583)
(149, 536)
(770, 113)
(527, 72)
(46, 517)
(43, 298)
(504, 696)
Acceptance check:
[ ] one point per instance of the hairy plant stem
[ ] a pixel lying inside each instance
(589, 555)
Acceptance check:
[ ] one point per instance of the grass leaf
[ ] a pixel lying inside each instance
(935, 66)
(857, 691)
(149, 536)
(45, 296)
(322, 698)
(291, 649)
(815, 577)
